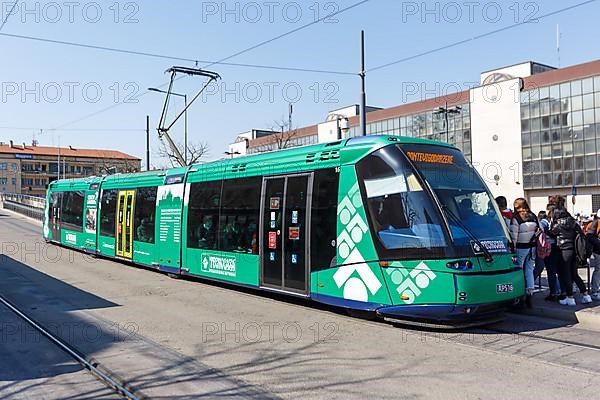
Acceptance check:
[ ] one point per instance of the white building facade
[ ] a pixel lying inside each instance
(530, 130)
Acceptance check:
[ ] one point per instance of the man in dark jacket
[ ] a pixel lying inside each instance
(592, 234)
(565, 229)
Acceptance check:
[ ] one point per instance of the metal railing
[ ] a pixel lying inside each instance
(30, 206)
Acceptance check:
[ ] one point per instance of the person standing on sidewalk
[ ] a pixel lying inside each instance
(593, 230)
(566, 228)
(507, 214)
(550, 262)
(523, 228)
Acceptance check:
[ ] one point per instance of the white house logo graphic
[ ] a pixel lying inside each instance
(355, 287)
(411, 282)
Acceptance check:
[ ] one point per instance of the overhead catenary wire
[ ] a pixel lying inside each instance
(379, 67)
(174, 58)
(20, 128)
(340, 11)
(222, 62)
(9, 14)
(481, 36)
(197, 61)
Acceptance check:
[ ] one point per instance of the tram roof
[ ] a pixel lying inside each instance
(317, 156)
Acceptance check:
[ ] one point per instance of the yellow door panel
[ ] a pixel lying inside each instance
(121, 206)
(128, 224)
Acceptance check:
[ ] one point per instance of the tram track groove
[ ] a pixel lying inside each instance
(94, 367)
(544, 338)
(409, 329)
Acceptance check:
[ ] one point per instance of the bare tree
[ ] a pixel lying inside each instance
(107, 167)
(195, 151)
(130, 166)
(284, 134)
(110, 166)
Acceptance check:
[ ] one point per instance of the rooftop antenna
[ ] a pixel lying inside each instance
(163, 129)
(35, 142)
(558, 35)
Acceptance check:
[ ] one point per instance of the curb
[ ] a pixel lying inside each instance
(586, 318)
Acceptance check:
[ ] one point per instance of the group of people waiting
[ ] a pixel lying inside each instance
(560, 230)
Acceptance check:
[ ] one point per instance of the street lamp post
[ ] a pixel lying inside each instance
(342, 125)
(232, 153)
(185, 139)
(445, 110)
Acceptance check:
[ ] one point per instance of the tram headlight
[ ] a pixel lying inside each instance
(460, 265)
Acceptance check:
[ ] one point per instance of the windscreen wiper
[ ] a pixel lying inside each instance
(486, 253)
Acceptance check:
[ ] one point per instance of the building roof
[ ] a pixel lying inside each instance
(431, 104)
(64, 152)
(298, 133)
(378, 114)
(553, 77)
(550, 77)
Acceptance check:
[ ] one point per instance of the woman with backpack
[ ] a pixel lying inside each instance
(523, 229)
(551, 261)
(565, 228)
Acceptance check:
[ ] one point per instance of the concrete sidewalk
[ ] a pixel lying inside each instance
(586, 316)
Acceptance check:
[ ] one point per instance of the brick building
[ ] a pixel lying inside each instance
(26, 169)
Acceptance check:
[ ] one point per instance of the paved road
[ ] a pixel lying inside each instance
(182, 338)
(32, 367)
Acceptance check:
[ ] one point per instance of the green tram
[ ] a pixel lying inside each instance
(402, 227)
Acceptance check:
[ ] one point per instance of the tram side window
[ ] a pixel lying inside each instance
(144, 214)
(324, 219)
(108, 212)
(72, 211)
(240, 210)
(203, 215)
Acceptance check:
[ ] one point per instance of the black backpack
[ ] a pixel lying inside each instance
(583, 249)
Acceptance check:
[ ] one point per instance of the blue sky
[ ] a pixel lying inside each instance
(47, 86)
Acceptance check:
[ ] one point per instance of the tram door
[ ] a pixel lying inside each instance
(124, 234)
(54, 215)
(285, 233)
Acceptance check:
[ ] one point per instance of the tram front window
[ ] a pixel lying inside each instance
(403, 215)
(470, 209)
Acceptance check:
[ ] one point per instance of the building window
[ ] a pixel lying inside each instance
(596, 202)
(562, 126)
(429, 125)
(3, 166)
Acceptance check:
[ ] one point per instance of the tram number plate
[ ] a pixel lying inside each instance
(504, 288)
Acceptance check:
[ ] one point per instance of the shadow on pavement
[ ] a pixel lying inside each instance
(144, 365)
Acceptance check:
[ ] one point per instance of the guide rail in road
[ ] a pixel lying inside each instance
(101, 373)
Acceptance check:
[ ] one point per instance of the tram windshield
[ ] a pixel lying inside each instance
(411, 221)
(465, 199)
